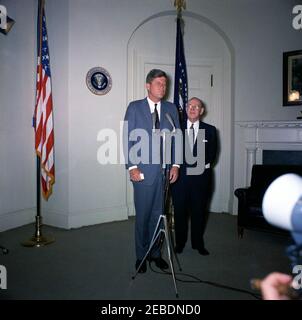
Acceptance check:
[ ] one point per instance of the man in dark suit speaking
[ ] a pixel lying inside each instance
(192, 191)
(143, 155)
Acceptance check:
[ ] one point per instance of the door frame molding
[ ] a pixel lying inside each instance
(227, 95)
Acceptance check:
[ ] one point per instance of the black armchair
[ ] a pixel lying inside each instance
(250, 214)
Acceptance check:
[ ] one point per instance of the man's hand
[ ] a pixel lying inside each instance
(270, 286)
(135, 174)
(174, 174)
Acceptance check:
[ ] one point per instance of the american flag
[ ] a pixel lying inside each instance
(43, 116)
(180, 79)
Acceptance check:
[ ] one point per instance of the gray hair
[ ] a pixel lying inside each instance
(199, 100)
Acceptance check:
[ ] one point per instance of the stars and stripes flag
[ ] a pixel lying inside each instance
(43, 115)
(180, 79)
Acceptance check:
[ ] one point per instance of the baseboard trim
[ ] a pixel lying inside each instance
(19, 218)
(85, 218)
(11, 220)
(131, 209)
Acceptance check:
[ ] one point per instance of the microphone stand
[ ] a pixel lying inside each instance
(162, 231)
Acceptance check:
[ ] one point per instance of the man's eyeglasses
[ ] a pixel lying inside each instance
(193, 107)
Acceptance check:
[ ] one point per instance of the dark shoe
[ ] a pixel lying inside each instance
(143, 267)
(160, 262)
(203, 251)
(178, 249)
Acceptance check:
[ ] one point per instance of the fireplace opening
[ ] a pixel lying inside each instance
(282, 157)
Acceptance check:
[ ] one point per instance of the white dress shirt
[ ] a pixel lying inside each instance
(196, 128)
(152, 106)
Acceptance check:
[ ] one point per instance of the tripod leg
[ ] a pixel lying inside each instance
(173, 249)
(146, 255)
(169, 255)
(168, 209)
(156, 234)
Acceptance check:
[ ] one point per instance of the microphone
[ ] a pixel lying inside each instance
(282, 207)
(282, 204)
(169, 118)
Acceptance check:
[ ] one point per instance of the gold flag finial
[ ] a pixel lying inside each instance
(180, 5)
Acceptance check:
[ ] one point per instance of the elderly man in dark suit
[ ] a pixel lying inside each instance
(192, 192)
(146, 173)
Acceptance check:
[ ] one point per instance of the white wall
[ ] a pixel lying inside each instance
(259, 31)
(85, 34)
(17, 162)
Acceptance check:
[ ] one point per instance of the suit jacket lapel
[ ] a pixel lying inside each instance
(198, 134)
(147, 113)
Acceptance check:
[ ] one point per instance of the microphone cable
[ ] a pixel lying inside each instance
(211, 283)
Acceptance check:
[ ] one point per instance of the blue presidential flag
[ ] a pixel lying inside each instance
(180, 79)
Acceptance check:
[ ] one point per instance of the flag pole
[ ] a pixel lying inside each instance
(37, 240)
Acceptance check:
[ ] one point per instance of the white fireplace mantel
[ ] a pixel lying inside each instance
(270, 124)
(256, 136)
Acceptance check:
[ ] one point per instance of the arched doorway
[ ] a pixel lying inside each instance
(209, 58)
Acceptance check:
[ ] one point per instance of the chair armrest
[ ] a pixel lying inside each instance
(241, 193)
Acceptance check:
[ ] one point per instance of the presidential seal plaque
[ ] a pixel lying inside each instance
(98, 81)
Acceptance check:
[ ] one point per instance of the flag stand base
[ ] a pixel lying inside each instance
(38, 240)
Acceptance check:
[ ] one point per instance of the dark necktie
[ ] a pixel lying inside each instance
(192, 127)
(157, 126)
(192, 136)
